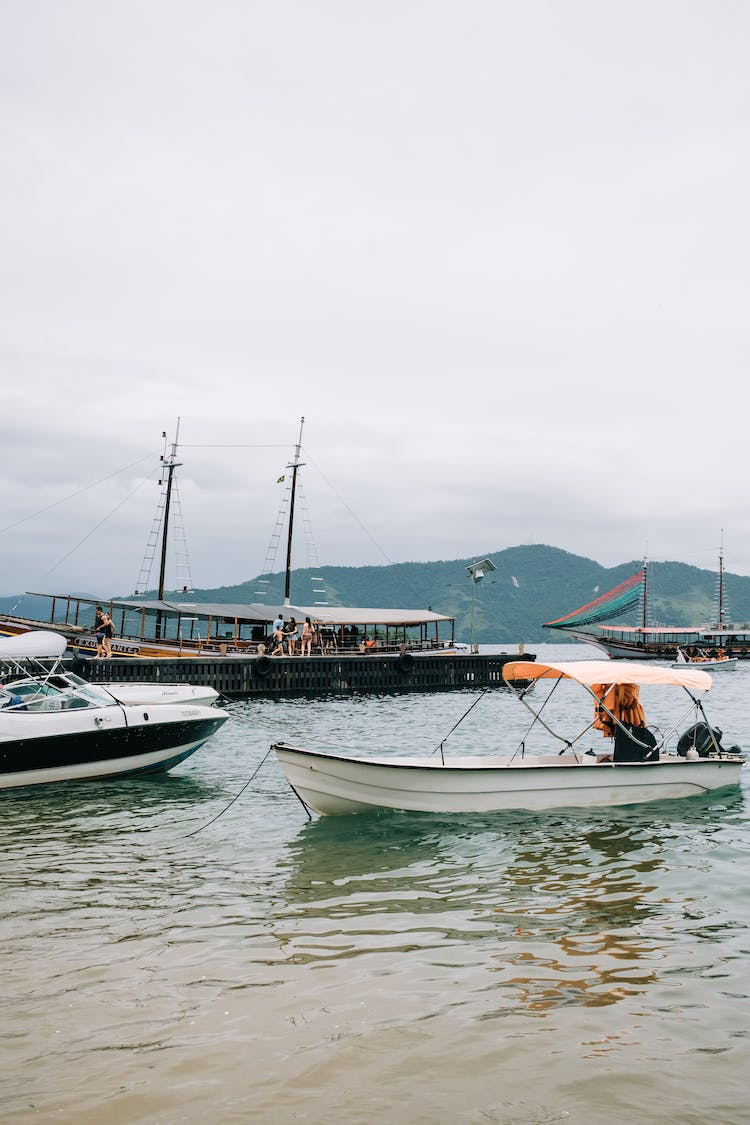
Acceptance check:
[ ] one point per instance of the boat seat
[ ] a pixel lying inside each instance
(635, 744)
(13, 702)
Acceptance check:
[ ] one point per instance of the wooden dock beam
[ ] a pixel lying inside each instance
(240, 677)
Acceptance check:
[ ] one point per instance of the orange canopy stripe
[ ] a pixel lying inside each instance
(590, 672)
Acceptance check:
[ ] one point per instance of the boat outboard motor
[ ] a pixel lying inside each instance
(702, 738)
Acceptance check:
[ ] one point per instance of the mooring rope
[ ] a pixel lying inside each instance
(235, 798)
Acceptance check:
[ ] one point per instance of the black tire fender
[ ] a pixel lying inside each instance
(406, 662)
(262, 666)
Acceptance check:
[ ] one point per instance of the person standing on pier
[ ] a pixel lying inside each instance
(99, 634)
(108, 631)
(291, 634)
(278, 640)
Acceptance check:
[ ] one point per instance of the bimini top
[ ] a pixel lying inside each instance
(591, 672)
(37, 644)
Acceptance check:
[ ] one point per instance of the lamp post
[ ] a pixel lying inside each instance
(477, 571)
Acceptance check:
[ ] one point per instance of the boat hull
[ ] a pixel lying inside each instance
(663, 644)
(151, 694)
(728, 665)
(105, 742)
(333, 785)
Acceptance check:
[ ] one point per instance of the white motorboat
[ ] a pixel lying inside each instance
(637, 767)
(707, 663)
(54, 726)
(151, 694)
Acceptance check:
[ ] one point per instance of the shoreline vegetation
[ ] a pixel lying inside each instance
(530, 585)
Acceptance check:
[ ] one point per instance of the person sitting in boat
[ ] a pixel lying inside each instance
(618, 706)
(8, 699)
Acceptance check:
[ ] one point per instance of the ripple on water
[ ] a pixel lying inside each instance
(166, 965)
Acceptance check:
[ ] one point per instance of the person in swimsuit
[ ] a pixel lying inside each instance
(99, 633)
(108, 631)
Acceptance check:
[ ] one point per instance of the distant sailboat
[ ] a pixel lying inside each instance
(592, 624)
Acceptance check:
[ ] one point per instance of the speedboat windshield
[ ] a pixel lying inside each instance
(55, 693)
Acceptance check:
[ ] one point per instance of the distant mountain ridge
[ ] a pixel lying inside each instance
(531, 585)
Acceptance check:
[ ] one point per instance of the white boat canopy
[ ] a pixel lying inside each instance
(589, 672)
(38, 644)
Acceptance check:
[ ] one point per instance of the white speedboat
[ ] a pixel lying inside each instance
(636, 767)
(705, 662)
(151, 694)
(55, 726)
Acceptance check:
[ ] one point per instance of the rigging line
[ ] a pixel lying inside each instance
(265, 445)
(349, 510)
(78, 492)
(450, 732)
(416, 593)
(96, 528)
(235, 798)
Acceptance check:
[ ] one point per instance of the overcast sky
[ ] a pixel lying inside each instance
(495, 252)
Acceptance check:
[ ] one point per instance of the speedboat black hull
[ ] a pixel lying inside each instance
(151, 746)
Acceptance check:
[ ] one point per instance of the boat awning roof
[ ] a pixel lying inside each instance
(591, 672)
(40, 644)
(255, 613)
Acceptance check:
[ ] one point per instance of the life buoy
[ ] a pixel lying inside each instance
(262, 666)
(80, 666)
(406, 662)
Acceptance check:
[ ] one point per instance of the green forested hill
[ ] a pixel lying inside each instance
(532, 584)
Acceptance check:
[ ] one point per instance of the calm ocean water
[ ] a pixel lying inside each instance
(163, 966)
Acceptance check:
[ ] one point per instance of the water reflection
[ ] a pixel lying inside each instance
(347, 955)
(557, 910)
(78, 812)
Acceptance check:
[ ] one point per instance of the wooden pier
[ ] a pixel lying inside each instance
(240, 677)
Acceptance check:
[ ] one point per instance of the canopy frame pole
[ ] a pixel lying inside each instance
(699, 704)
(537, 718)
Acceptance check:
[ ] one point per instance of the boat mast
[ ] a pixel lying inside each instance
(294, 466)
(170, 463)
(721, 583)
